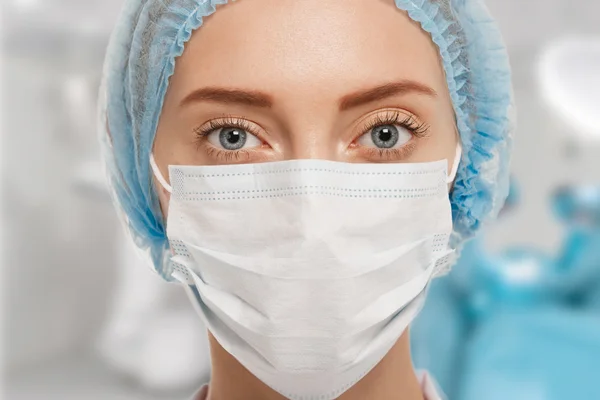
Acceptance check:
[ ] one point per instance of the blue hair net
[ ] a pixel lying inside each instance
(151, 34)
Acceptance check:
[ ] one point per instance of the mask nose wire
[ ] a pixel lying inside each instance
(158, 175)
(163, 182)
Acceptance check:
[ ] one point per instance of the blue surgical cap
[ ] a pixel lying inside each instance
(151, 34)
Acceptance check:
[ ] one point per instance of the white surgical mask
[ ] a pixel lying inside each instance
(308, 271)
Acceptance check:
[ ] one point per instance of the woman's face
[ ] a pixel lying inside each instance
(269, 80)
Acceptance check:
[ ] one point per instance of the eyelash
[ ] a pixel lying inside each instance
(391, 117)
(394, 117)
(225, 122)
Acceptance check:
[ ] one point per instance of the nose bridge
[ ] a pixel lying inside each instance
(312, 144)
(311, 129)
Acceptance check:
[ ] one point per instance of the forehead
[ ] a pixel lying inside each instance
(291, 46)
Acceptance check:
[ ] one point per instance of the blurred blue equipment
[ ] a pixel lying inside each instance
(579, 209)
(551, 353)
(522, 322)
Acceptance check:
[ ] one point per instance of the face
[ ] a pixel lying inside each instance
(269, 80)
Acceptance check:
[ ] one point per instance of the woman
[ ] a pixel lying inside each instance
(305, 168)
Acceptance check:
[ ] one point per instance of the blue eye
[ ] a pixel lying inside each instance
(232, 138)
(385, 137)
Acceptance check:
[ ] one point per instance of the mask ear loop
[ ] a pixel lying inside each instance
(157, 174)
(455, 164)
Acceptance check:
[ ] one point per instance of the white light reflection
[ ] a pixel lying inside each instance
(569, 71)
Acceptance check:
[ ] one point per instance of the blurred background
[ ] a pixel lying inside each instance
(519, 317)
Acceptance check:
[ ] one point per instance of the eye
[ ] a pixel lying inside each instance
(386, 137)
(232, 138)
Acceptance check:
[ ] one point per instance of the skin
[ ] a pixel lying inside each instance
(328, 73)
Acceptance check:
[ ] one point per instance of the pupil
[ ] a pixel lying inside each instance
(385, 136)
(232, 138)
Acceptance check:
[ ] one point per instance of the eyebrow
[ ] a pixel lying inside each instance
(223, 95)
(263, 100)
(384, 91)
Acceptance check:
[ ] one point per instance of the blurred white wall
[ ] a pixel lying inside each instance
(526, 24)
(60, 261)
(60, 264)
